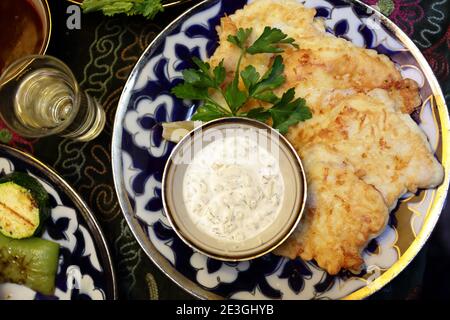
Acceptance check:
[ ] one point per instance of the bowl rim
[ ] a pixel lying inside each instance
(48, 22)
(298, 208)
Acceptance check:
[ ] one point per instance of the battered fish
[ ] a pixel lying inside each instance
(342, 213)
(361, 149)
(385, 147)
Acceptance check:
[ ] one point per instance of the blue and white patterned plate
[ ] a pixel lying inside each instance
(139, 156)
(85, 270)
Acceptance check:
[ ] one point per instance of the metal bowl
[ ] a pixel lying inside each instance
(43, 10)
(292, 205)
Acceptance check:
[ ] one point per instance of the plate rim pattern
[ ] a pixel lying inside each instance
(111, 292)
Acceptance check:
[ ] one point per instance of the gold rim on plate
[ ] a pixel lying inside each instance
(436, 208)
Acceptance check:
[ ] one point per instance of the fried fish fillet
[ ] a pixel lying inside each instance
(342, 213)
(370, 155)
(385, 147)
(323, 64)
(361, 149)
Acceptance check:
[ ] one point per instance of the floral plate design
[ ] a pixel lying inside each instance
(140, 153)
(85, 270)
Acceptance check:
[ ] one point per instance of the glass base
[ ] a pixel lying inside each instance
(89, 122)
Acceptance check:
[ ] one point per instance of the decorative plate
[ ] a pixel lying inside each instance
(139, 155)
(85, 269)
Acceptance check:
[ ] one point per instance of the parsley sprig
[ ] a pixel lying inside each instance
(200, 83)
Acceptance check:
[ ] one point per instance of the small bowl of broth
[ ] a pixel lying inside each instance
(25, 27)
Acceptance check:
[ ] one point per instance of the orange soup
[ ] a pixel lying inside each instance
(21, 31)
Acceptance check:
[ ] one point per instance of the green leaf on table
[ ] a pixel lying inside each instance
(5, 136)
(146, 8)
(269, 40)
(116, 8)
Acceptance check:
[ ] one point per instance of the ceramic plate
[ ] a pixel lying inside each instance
(85, 268)
(139, 155)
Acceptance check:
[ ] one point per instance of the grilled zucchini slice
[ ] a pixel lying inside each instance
(31, 262)
(24, 206)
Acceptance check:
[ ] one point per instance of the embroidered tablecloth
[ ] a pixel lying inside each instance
(103, 52)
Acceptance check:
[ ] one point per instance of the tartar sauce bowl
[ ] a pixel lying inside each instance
(234, 189)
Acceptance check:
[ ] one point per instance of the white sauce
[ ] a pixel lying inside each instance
(233, 189)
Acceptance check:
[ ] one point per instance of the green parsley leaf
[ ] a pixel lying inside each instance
(283, 108)
(234, 96)
(268, 41)
(240, 38)
(198, 78)
(147, 8)
(267, 96)
(259, 114)
(286, 112)
(219, 74)
(198, 84)
(202, 77)
(272, 79)
(208, 112)
(188, 91)
(261, 89)
(203, 66)
(250, 77)
(301, 113)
